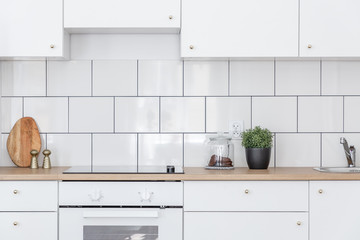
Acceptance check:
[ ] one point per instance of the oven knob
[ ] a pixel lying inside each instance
(146, 196)
(96, 196)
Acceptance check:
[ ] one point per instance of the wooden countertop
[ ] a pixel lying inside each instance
(191, 174)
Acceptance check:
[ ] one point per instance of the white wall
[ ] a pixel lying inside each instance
(124, 112)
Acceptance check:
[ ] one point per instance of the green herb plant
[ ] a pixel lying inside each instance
(257, 138)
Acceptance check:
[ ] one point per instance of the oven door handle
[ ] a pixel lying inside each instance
(121, 214)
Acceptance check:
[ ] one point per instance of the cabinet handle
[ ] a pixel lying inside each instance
(321, 191)
(191, 47)
(309, 46)
(15, 223)
(15, 191)
(52, 45)
(246, 191)
(298, 223)
(171, 17)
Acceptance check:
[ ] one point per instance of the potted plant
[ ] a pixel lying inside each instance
(257, 143)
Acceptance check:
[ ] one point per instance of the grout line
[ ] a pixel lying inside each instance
(343, 114)
(205, 115)
(297, 114)
(321, 75)
(92, 77)
(251, 112)
(68, 114)
(229, 71)
(46, 141)
(274, 149)
(46, 78)
(183, 150)
(137, 77)
(274, 78)
(299, 25)
(92, 151)
(183, 78)
(137, 152)
(114, 115)
(159, 114)
(23, 106)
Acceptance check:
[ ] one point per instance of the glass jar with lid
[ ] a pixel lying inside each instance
(220, 153)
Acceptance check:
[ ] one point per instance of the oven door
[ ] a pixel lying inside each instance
(120, 224)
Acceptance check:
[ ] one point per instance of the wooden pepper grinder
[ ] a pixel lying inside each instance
(34, 162)
(46, 163)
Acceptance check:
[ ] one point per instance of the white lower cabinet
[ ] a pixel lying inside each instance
(245, 225)
(334, 212)
(28, 225)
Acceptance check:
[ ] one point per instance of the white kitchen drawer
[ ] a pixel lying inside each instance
(28, 195)
(26, 225)
(246, 196)
(245, 225)
(121, 193)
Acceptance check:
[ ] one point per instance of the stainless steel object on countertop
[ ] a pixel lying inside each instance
(349, 152)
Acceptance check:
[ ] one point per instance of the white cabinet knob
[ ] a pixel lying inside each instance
(52, 45)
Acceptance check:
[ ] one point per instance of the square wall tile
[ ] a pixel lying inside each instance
(69, 78)
(11, 111)
(70, 149)
(23, 78)
(195, 150)
(6, 161)
(351, 114)
(161, 149)
(278, 114)
(206, 78)
(182, 114)
(114, 150)
(340, 77)
(137, 114)
(333, 154)
(161, 78)
(91, 114)
(50, 114)
(297, 78)
(220, 111)
(252, 78)
(298, 150)
(320, 114)
(115, 78)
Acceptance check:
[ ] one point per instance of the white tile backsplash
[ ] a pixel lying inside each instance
(278, 114)
(23, 78)
(91, 114)
(115, 78)
(69, 78)
(320, 114)
(50, 114)
(252, 78)
(11, 110)
(220, 111)
(70, 149)
(206, 78)
(172, 105)
(298, 150)
(297, 78)
(114, 149)
(160, 78)
(161, 149)
(182, 114)
(137, 114)
(341, 77)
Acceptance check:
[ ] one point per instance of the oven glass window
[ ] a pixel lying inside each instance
(121, 232)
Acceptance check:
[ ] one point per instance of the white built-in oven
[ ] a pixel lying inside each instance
(120, 210)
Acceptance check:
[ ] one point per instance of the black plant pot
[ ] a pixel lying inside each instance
(258, 158)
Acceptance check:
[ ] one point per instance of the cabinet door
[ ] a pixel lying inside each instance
(124, 15)
(329, 28)
(20, 226)
(334, 213)
(239, 28)
(245, 225)
(31, 28)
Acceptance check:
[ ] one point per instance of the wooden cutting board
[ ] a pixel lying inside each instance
(23, 138)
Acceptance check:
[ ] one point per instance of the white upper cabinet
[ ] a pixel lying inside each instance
(32, 28)
(329, 28)
(239, 28)
(124, 16)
